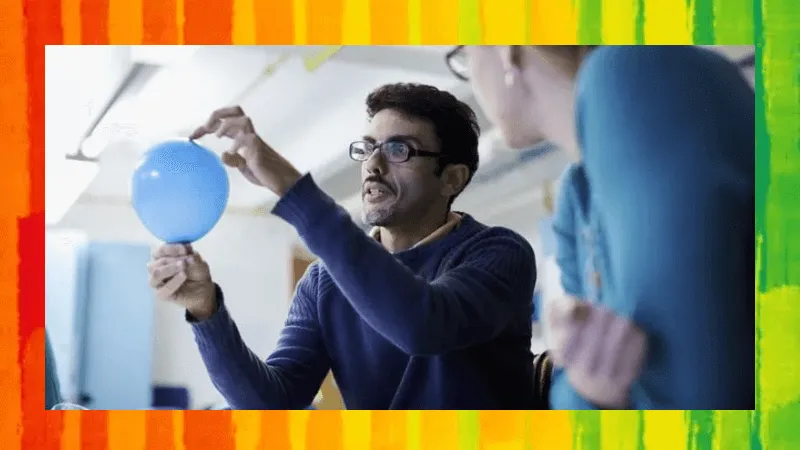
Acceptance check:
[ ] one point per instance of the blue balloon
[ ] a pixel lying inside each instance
(180, 191)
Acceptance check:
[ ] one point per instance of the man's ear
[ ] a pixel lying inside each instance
(455, 178)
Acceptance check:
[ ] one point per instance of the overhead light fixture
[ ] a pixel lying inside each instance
(65, 180)
(92, 146)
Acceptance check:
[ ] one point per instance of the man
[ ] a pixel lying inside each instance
(430, 311)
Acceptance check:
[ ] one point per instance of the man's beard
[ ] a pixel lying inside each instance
(380, 217)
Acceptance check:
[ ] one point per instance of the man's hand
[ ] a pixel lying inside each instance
(602, 353)
(179, 275)
(256, 160)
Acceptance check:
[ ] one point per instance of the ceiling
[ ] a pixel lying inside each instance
(307, 110)
(306, 101)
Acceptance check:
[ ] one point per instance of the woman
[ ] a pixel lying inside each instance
(660, 234)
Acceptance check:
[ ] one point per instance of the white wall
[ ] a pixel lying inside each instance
(250, 257)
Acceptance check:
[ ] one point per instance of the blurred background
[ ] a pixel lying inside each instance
(118, 348)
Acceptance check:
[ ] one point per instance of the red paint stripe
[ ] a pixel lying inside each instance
(44, 27)
(324, 430)
(274, 22)
(208, 21)
(33, 420)
(204, 430)
(159, 21)
(54, 428)
(159, 430)
(94, 22)
(94, 430)
(324, 21)
(274, 431)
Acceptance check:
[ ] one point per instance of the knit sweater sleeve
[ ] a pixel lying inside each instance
(466, 306)
(293, 373)
(565, 228)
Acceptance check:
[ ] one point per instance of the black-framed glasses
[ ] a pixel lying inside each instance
(393, 150)
(456, 60)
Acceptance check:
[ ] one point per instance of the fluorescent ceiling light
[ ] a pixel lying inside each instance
(65, 181)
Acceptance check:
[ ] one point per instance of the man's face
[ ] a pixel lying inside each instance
(399, 193)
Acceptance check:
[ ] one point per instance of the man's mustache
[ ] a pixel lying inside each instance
(378, 180)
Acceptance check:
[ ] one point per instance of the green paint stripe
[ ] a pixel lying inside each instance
(586, 426)
(701, 430)
(640, 22)
(590, 22)
(703, 32)
(468, 430)
(733, 22)
(469, 22)
(640, 431)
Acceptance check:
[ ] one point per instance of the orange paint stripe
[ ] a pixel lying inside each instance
(324, 430)
(274, 431)
(549, 429)
(324, 21)
(208, 21)
(501, 429)
(126, 430)
(125, 22)
(71, 21)
(389, 22)
(71, 433)
(13, 135)
(94, 22)
(208, 430)
(159, 22)
(274, 22)
(94, 430)
(389, 430)
(159, 431)
(440, 427)
(438, 24)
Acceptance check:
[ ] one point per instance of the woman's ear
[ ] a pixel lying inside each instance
(511, 58)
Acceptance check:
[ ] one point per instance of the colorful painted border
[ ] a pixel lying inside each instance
(26, 26)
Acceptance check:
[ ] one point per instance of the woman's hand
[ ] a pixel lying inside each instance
(601, 352)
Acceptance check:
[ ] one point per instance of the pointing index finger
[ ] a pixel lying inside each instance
(213, 121)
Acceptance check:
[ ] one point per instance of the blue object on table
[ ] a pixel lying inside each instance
(170, 397)
(180, 191)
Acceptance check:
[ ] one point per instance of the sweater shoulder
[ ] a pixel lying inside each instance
(488, 236)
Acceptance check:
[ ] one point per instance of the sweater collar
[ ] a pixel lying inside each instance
(453, 220)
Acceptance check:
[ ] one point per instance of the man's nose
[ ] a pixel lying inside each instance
(376, 163)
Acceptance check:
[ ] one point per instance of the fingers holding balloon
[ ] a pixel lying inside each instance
(196, 268)
(172, 251)
(163, 270)
(170, 287)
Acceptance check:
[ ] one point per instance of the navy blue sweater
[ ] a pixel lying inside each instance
(444, 325)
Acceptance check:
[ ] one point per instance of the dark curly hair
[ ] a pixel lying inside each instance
(454, 122)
